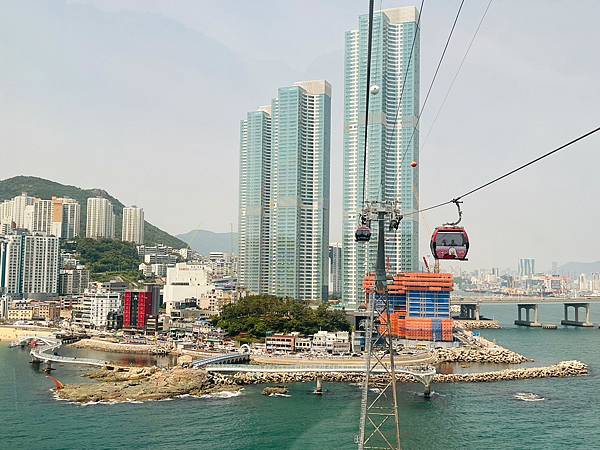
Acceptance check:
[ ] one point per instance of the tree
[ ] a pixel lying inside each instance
(259, 314)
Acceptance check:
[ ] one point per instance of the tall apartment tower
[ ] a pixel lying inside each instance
(335, 269)
(18, 210)
(100, 221)
(284, 194)
(133, 225)
(301, 116)
(29, 264)
(66, 217)
(255, 191)
(389, 175)
(42, 216)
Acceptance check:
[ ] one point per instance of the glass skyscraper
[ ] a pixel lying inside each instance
(294, 194)
(389, 175)
(255, 191)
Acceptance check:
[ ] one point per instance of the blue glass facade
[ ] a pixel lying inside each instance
(389, 176)
(284, 194)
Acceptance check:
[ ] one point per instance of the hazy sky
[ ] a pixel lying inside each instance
(143, 98)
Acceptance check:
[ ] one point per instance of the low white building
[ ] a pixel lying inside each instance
(186, 281)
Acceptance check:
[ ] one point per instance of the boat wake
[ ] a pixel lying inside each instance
(528, 397)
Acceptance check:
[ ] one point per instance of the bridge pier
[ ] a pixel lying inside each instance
(527, 321)
(470, 311)
(319, 387)
(48, 368)
(577, 322)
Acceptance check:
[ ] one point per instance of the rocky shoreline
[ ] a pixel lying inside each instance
(141, 384)
(151, 384)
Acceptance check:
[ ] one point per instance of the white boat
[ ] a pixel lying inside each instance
(528, 397)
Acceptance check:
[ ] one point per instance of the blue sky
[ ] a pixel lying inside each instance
(144, 98)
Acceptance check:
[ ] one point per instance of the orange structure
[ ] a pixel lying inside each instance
(419, 305)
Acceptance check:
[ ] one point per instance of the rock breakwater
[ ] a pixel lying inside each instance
(560, 370)
(494, 354)
(477, 324)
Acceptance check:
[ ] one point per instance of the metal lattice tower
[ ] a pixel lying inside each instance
(379, 420)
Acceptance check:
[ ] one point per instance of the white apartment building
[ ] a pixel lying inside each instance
(42, 216)
(186, 281)
(133, 225)
(101, 302)
(40, 264)
(100, 222)
(29, 264)
(18, 208)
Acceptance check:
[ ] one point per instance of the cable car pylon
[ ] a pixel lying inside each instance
(379, 401)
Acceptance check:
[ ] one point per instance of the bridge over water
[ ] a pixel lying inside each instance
(528, 307)
(424, 373)
(44, 352)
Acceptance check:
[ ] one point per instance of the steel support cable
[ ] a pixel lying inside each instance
(507, 174)
(416, 126)
(464, 58)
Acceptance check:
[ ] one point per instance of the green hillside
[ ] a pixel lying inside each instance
(39, 187)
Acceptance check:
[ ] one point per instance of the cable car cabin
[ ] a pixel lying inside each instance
(362, 234)
(450, 242)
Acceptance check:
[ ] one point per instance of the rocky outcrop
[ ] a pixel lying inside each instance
(493, 354)
(275, 390)
(141, 384)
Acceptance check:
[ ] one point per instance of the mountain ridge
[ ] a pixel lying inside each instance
(204, 241)
(45, 189)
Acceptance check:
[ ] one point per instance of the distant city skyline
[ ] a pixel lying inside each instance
(181, 102)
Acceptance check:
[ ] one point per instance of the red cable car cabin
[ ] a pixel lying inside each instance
(450, 242)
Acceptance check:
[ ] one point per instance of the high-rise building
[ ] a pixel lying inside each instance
(299, 221)
(100, 221)
(73, 281)
(6, 212)
(133, 224)
(526, 267)
(11, 263)
(392, 143)
(335, 269)
(18, 211)
(29, 264)
(284, 194)
(42, 216)
(255, 191)
(137, 307)
(66, 217)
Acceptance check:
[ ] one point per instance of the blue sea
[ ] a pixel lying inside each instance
(460, 416)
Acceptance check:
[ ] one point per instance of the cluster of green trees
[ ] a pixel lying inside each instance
(105, 255)
(259, 315)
